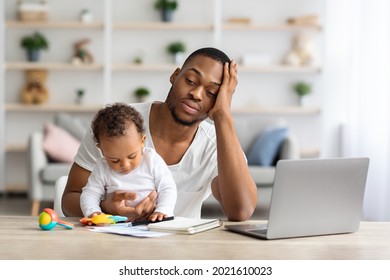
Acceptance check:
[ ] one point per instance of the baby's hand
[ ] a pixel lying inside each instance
(157, 216)
(95, 214)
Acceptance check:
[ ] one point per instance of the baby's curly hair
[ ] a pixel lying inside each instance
(114, 119)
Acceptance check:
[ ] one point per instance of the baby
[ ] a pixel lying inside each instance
(126, 164)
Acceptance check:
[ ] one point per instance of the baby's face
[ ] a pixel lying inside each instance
(123, 153)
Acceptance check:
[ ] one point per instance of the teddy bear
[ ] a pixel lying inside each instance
(35, 91)
(301, 52)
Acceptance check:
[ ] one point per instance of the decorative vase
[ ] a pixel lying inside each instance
(166, 15)
(79, 96)
(178, 58)
(33, 55)
(142, 99)
(302, 100)
(86, 16)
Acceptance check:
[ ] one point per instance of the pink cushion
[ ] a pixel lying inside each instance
(59, 144)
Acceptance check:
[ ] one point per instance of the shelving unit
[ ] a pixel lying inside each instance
(54, 25)
(281, 110)
(114, 71)
(270, 27)
(52, 66)
(71, 108)
(168, 26)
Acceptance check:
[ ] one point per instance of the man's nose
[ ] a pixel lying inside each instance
(197, 93)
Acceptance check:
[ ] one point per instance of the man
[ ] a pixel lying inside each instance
(202, 157)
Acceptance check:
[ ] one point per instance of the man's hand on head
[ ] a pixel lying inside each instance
(225, 95)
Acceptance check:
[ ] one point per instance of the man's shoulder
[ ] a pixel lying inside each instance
(207, 129)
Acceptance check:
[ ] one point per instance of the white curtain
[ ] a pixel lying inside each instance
(358, 56)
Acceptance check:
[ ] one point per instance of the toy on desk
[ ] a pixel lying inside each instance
(48, 219)
(102, 220)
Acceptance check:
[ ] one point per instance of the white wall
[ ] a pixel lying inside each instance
(258, 89)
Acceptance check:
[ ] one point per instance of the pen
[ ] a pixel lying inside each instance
(145, 222)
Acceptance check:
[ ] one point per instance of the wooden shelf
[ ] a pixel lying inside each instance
(158, 26)
(269, 27)
(15, 188)
(54, 24)
(241, 68)
(162, 26)
(53, 66)
(279, 69)
(310, 153)
(210, 26)
(287, 110)
(72, 108)
(16, 148)
(144, 67)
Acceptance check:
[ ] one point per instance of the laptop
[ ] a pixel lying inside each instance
(312, 197)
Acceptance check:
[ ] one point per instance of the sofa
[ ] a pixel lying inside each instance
(265, 136)
(50, 155)
(256, 134)
(49, 161)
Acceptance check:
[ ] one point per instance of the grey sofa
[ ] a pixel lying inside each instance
(41, 170)
(248, 127)
(43, 173)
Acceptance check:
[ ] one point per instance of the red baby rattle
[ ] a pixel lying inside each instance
(48, 219)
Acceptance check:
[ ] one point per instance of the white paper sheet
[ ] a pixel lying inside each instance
(124, 229)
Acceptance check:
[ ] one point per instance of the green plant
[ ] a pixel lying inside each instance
(138, 60)
(79, 95)
(35, 41)
(302, 88)
(141, 92)
(166, 5)
(176, 47)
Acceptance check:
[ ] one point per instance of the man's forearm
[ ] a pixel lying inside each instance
(237, 190)
(71, 204)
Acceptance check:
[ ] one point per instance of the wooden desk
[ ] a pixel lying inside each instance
(21, 238)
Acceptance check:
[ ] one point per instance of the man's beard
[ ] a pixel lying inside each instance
(176, 118)
(179, 120)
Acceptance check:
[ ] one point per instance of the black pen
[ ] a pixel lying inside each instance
(145, 222)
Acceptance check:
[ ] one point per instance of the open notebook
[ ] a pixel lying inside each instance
(182, 225)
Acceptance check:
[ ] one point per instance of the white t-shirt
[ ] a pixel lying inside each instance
(151, 174)
(193, 174)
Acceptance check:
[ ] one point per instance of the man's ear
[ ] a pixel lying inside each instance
(174, 75)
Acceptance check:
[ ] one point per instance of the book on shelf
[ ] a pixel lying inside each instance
(183, 225)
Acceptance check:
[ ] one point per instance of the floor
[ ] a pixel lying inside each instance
(20, 205)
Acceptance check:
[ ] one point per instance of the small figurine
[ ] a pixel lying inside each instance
(81, 53)
(48, 219)
(102, 220)
(301, 52)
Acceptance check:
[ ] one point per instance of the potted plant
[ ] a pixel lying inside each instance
(166, 7)
(79, 96)
(177, 49)
(302, 89)
(34, 44)
(141, 94)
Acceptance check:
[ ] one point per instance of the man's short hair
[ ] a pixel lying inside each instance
(210, 52)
